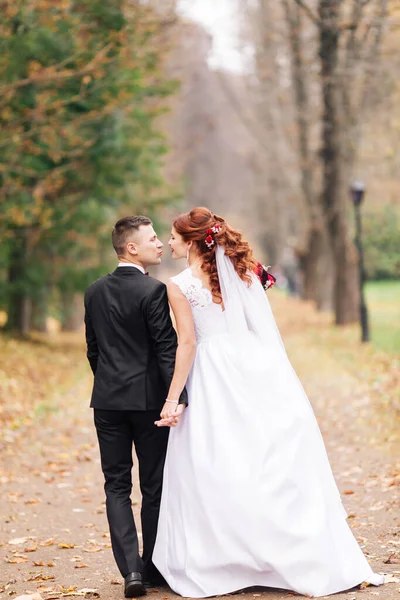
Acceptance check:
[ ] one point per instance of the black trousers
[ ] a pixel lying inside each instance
(116, 431)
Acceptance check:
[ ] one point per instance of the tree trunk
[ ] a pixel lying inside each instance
(316, 262)
(333, 196)
(40, 310)
(346, 291)
(19, 305)
(73, 312)
(318, 270)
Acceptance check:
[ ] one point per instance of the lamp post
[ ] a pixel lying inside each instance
(357, 190)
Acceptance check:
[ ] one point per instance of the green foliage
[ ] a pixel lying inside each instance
(381, 237)
(383, 300)
(81, 88)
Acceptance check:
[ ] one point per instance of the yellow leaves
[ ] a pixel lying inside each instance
(40, 577)
(34, 67)
(66, 546)
(48, 542)
(6, 114)
(18, 216)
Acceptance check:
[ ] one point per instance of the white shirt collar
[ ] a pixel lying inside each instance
(127, 264)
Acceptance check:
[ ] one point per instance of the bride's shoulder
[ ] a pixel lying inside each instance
(182, 277)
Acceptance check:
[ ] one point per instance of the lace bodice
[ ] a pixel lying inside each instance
(209, 318)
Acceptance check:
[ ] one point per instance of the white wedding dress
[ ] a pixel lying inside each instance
(249, 498)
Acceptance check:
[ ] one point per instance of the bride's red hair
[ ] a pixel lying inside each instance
(193, 226)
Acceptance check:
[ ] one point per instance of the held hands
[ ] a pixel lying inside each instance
(170, 414)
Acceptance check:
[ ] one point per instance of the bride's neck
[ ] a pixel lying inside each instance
(195, 261)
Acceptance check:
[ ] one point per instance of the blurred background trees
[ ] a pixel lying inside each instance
(81, 85)
(111, 108)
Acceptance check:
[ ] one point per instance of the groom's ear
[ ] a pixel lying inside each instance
(131, 247)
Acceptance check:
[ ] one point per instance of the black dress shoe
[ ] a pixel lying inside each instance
(155, 582)
(134, 585)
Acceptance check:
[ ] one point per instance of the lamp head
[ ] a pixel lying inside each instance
(357, 189)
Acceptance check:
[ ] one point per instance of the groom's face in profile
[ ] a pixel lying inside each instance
(145, 247)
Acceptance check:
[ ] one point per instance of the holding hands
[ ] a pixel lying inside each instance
(170, 414)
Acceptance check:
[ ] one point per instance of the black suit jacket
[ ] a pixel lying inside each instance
(131, 343)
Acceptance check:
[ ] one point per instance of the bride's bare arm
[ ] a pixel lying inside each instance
(185, 352)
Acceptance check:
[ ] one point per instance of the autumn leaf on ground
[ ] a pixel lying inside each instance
(40, 563)
(40, 577)
(391, 579)
(48, 542)
(80, 566)
(47, 589)
(16, 560)
(392, 559)
(18, 541)
(66, 546)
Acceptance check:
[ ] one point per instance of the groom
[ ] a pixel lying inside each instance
(131, 347)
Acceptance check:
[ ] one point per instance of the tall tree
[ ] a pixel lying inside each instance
(81, 89)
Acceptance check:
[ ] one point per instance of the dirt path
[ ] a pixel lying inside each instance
(54, 536)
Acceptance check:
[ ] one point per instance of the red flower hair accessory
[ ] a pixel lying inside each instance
(209, 241)
(266, 279)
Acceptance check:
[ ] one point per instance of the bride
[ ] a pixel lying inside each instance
(248, 498)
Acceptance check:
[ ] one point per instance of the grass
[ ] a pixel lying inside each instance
(383, 300)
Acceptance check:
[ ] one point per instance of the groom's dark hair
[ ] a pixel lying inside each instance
(123, 230)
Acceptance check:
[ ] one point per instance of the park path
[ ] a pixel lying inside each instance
(54, 538)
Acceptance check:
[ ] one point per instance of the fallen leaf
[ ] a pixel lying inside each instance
(80, 566)
(391, 579)
(48, 542)
(40, 577)
(16, 560)
(364, 585)
(348, 492)
(47, 589)
(32, 501)
(66, 546)
(17, 541)
(392, 559)
(30, 549)
(89, 593)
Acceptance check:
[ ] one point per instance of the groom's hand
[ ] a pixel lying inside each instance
(170, 414)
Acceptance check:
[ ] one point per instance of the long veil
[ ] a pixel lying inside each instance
(247, 306)
(247, 309)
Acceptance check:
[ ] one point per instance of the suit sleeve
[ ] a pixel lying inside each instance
(91, 341)
(163, 335)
